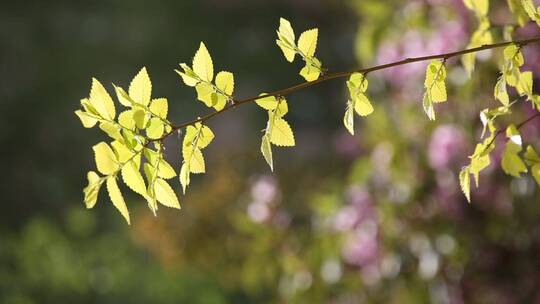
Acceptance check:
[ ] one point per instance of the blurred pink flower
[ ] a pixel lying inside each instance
(446, 145)
(264, 189)
(361, 248)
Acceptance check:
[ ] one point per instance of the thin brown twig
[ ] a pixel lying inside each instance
(518, 126)
(283, 92)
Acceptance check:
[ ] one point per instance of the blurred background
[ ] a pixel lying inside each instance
(373, 218)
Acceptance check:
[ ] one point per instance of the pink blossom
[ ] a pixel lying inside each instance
(446, 145)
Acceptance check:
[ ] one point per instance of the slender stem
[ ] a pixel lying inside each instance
(518, 126)
(289, 90)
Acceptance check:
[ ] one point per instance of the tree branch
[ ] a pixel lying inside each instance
(283, 92)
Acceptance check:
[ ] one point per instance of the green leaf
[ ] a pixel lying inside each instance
(205, 137)
(307, 43)
(116, 197)
(531, 157)
(159, 107)
(362, 106)
(357, 84)
(465, 182)
(111, 129)
(310, 72)
(267, 103)
(184, 176)
(165, 194)
(266, 150)
(155, 128)
(286, 39)
(513, 55)
(122, 152)
(125, 119)
(534, 13)
(196, 161)
(225, 82)
(165, 170)
(281, 134)
(188, 76)
(427, 103)
(141, 118)
(348, 118)
(434, 83)
(133, 179)
(511, 162)
(435, 87)
(123, 97)
(105, 159)
(282, 108)
(140, 89)
(87, 120)
(204, 93)
(525, 84)
(480, 159)
(101, 101)
(92, 190)
(202, 64)
(500, 92)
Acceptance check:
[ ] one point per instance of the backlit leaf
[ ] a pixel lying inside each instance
(116, 198)
(165, 194)
(105, 158)
(307, 43)
(140, 88)
(202, 64)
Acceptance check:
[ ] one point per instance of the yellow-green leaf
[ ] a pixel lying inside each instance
(225, 82)
(281, 134)
(286, 31)
(123, 96)
(310, 72)
(204, 93)
(122, 152)
(286, 39)
(105, 159)
(500, 92)
(196, 162)
(202, 64)
(140, 88)
(465, 182)
(307, 43)
(205, 137)
(165, 170)
(133, 179)
(511, 163)
(184, 176)
(266, 150)
(101, 101)
(125, 119)
(267, 103)
(87, 120)
(188, 76)
(155, 128)
(525, 84)
(348, 118)
(362, 106)
(165, 194)
(91, 191)
(159, 107)
(116, 198)
(111, 129)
